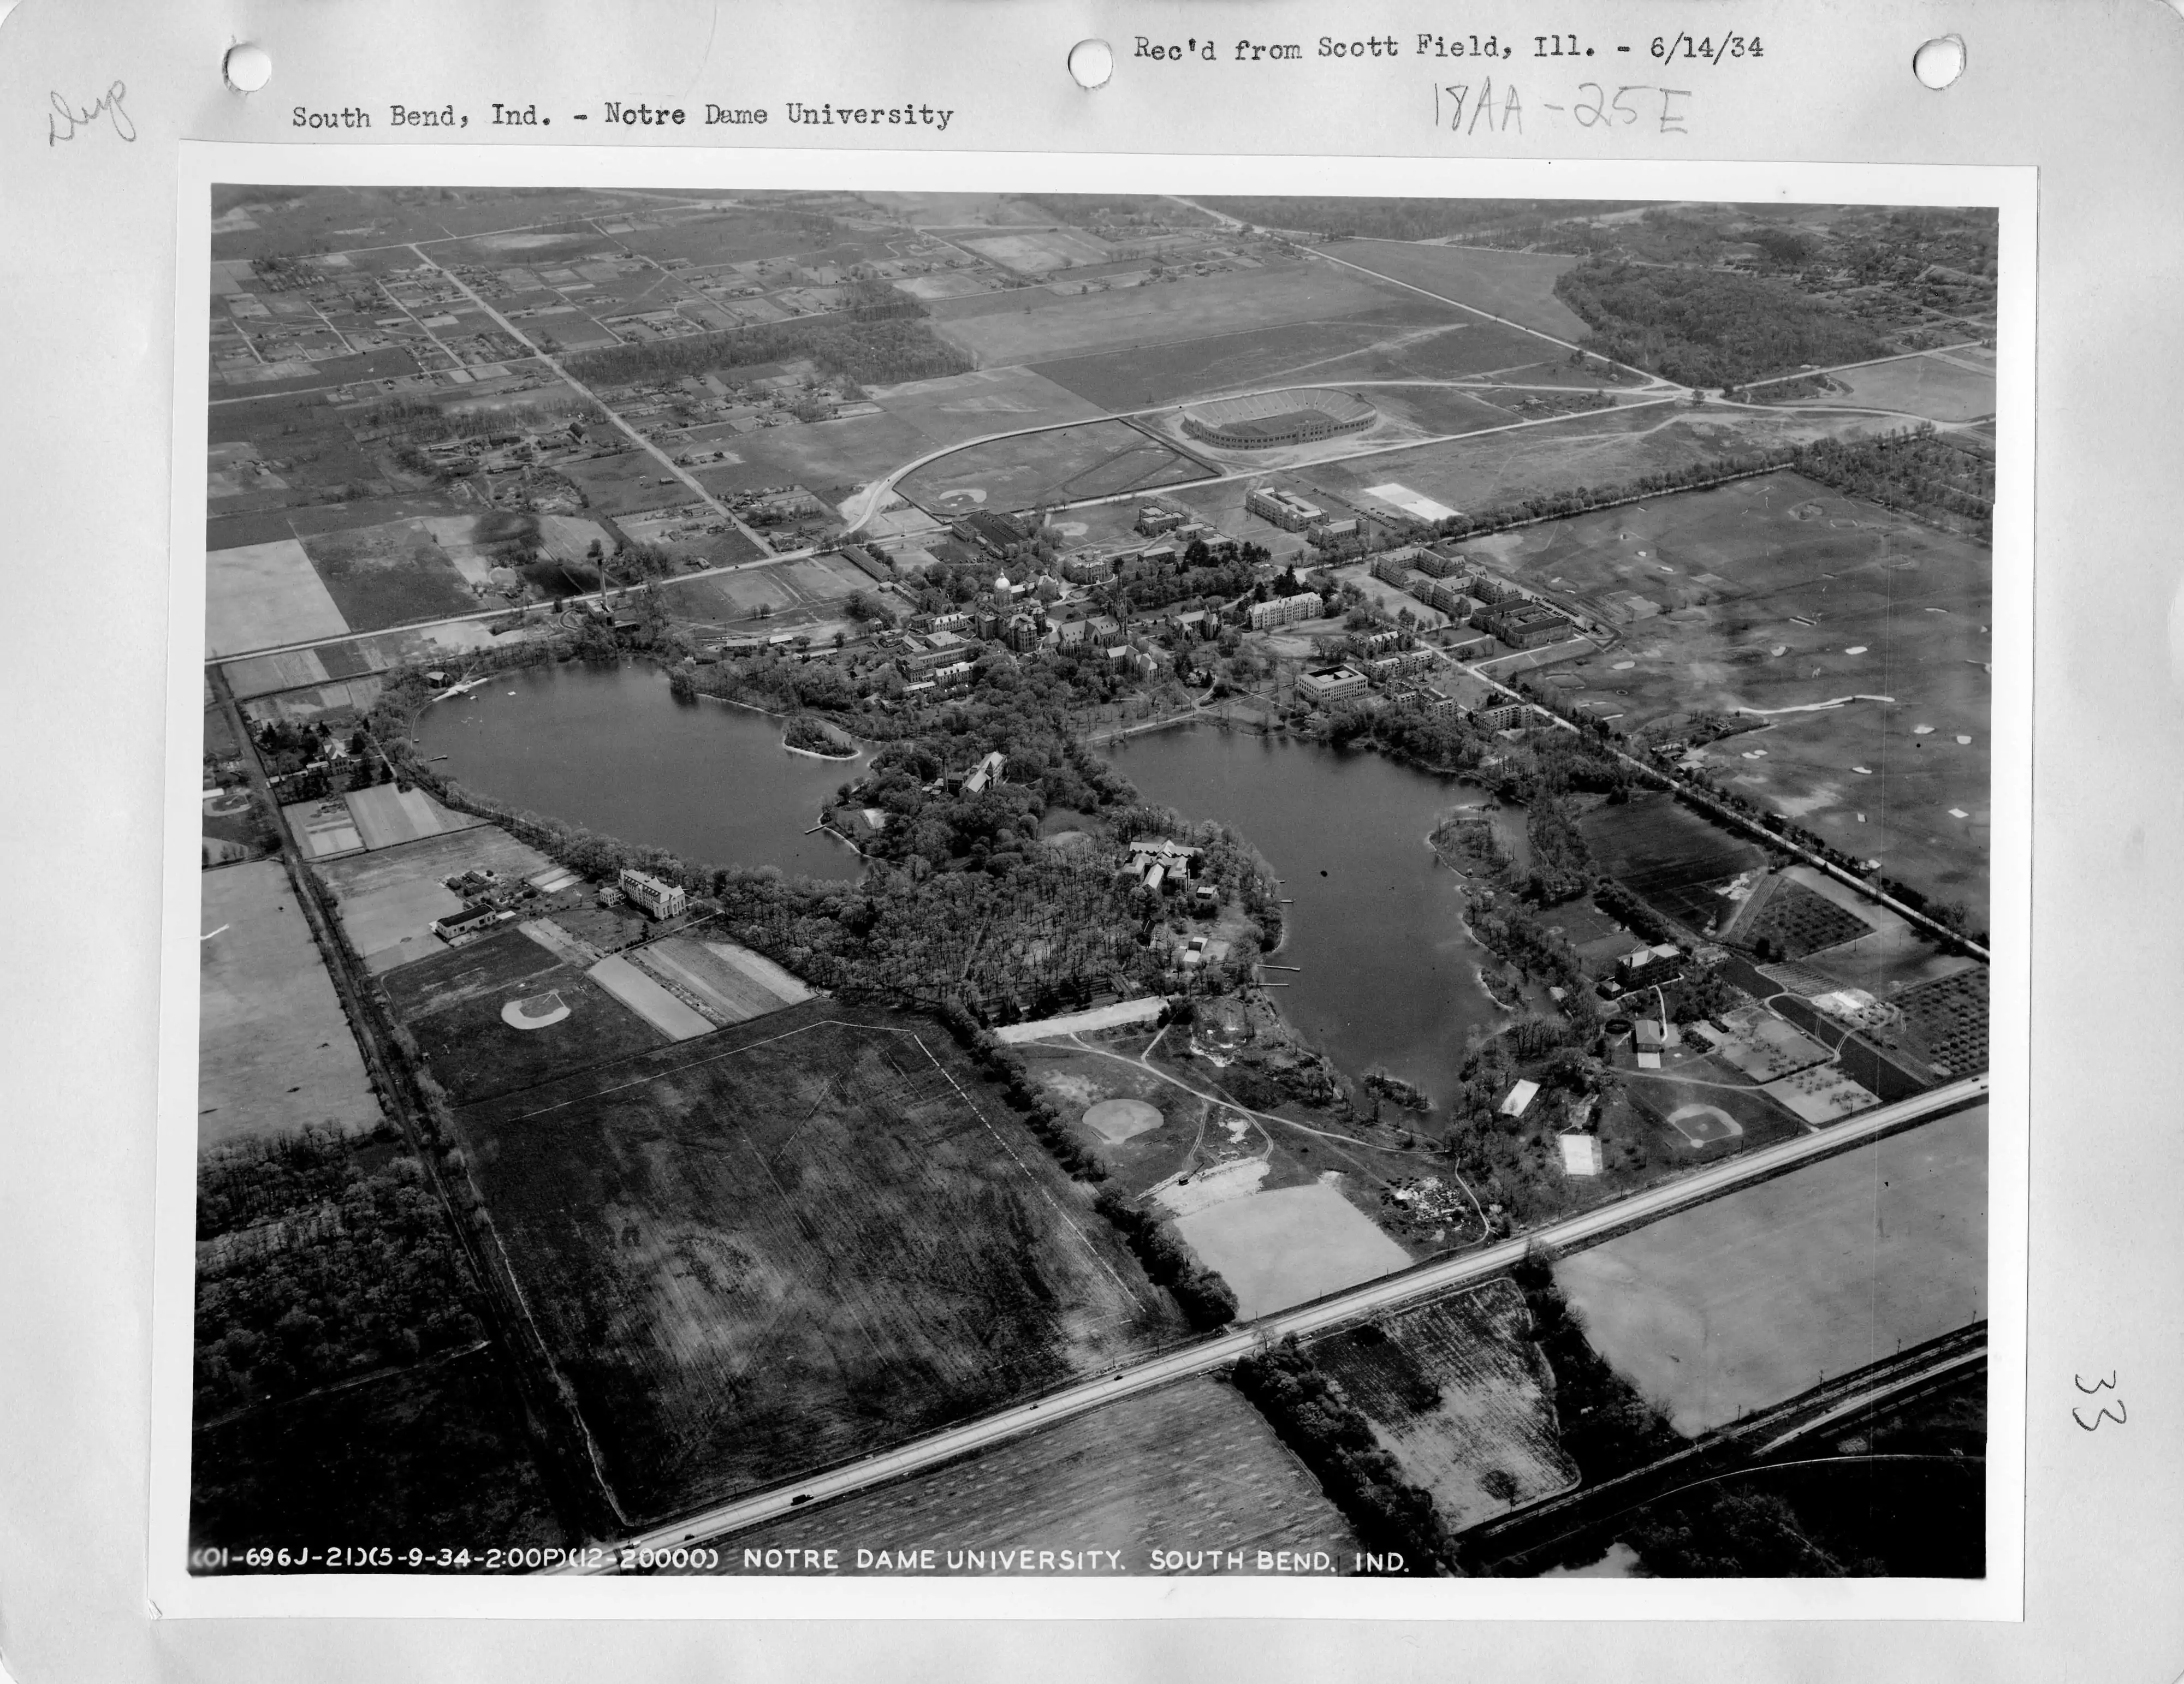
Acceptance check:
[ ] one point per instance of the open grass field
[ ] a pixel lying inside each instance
(953, 294)
(630, 479)
(311, 520)
(252, 221)
(734, 983)
(264, 675)
(389, 574)
(1193, 1461)
(1287, 1247)
(1939, 387)
(1100, 458)
(263, 594)
(1163, 314)
(1441, 409)
(824, 456)
(726, 237)
(274, 1052)
(1404, 338)
(387, 816)
(1585, 450)
(1458, 1394)
(797, 1240)
(448, 977)
(1742, 1302)
(648, 998)
(1519, 286)
(323, 828)
(1784, 597)
(731, 597)
(1078, 1081)
(1040, 251)
(962, 407)
(1674, 1101)
(387, 899)
(456, 1010)
(1669, 855)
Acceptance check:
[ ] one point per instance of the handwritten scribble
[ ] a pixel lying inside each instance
(64, 120)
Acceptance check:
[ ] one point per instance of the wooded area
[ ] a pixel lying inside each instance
(1708, 327)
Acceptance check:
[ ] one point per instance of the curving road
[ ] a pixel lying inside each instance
(1221, 1349)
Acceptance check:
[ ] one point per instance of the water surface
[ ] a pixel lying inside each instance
(612, 748)
(1390, 977)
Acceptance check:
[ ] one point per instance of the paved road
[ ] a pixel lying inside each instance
(1389, 1291)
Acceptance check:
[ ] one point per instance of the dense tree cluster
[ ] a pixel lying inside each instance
(866, 298)
(883, 351)
(1562, 863)
(1628, 911)
(1708, 327)
(1336, 1443)
(1040, 1115)
(329, 1269)
(1607, 1427)
(1916, 471)
(1203, 1296)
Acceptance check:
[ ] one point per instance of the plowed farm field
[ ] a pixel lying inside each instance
(1457, 1394)
(792, 1241)
(1191, 1461)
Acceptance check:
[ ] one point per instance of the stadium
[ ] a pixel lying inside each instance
(1299, 415)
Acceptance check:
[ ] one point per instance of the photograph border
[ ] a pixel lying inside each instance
(2011, 191)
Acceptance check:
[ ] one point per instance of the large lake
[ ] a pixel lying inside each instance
(1389, 976)
(612, 750)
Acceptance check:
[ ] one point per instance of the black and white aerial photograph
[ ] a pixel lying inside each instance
(1059, 885)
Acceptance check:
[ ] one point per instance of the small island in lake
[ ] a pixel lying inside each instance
(809, 734)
